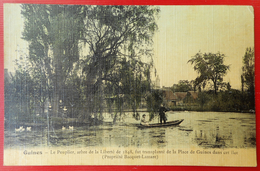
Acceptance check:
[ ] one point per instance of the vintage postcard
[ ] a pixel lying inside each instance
(129, 85)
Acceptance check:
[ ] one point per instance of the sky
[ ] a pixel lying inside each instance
(183, 32)
(187, 30)
(14, 46)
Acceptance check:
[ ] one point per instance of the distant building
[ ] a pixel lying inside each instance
(169, 98)
(191, 97)
(178, 98)
(193, 94)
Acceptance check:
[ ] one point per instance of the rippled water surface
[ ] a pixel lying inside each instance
(199, 129)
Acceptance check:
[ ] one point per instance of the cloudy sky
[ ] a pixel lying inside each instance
(183, 31)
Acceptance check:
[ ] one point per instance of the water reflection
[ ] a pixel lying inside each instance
(212, 139)
(199, 129)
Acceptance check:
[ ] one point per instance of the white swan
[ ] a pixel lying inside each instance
(28, 128)
(21, 129)
(71, 127)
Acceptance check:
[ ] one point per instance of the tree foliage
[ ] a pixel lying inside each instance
(248, 75)
(83, 55)
(119, 40)
(53, 32)
(25, 93)
(211, 67)
(249, 68)
(154, 100)
(183, 86)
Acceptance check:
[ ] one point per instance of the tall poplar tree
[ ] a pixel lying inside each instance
(53, 32)
(248, 76)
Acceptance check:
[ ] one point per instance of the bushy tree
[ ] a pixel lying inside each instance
(211, 67)
(183, 86)
(20, 95)
(203, 98)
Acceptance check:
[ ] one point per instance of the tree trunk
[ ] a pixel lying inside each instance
(215, 87)
(57, 79)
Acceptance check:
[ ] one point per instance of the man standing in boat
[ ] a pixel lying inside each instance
(162, 111)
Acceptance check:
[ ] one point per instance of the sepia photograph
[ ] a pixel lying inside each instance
(129, 85)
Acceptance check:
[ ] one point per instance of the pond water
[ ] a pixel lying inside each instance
(199, 129)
